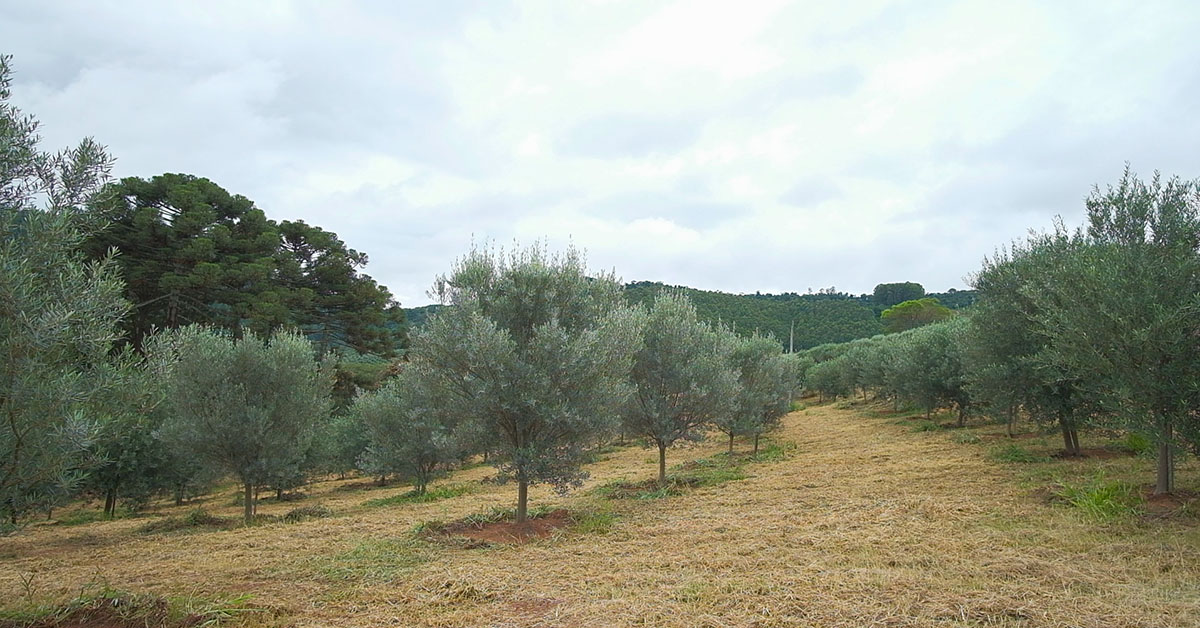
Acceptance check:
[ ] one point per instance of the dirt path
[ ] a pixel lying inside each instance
(867, 524)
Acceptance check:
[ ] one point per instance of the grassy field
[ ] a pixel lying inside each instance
(872, 519)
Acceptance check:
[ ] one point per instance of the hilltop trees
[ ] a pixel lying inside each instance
(888, 294)
(58, 313)
(913, 314)
(681, 376)
(248, 406)
(191, 252)
(535, 354)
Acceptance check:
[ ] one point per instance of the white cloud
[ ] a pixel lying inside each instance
(736, 146)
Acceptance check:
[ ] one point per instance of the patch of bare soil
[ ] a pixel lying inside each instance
(1004, 437)
(508, 532)
(1169, 504)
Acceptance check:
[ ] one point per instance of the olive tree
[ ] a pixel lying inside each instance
(58, 314)
(535, 353)
(1121, 309)
(764, 388)
(247, 406)
(682, 380)
(1006, 347)
(409, 433)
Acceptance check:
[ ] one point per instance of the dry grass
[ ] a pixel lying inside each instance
(866, 523)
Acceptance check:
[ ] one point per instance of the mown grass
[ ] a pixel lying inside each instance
(101, 605)
(434, 494)
(862, 523)
(375, 560)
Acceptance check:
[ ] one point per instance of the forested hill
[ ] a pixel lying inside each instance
(819, 318)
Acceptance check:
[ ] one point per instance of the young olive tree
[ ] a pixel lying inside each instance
(764, 389)
(681, 380)
(58, 314)
(931, 357)
(535, 353)
(247, 406)
(1122, 309)
(408, 432)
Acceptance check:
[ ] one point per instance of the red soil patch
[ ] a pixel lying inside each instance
(1168, 504)
(533, 607)
(508, 532)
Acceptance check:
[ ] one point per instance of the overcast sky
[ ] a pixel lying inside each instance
(738, 146)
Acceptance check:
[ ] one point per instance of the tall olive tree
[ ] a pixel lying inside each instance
(1122, 309)
(58, 313)
(248, 406)
(682, 379)
(535, 352)
(1006, 343)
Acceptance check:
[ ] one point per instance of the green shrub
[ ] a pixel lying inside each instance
(1101, 499)
(927, 426)
(595, 522)
(774, 452)
(966, 438)
(1137, 444)
(315, 511)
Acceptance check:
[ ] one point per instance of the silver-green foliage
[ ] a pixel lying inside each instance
(1121, 309)
(763, 393)
(248, 406)
(681, 376)
(58, 314)
(535, 354)
(410, 433)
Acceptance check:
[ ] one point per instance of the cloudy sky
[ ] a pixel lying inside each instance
(738, 146)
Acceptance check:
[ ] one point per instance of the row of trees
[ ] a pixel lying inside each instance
(536, 360)
(1093, 327)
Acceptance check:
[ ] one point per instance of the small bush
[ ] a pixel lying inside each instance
(430, 495)
(598, 522)
(1101, 499)
(1137, 444)
(966, 438)
(927, 426)
(797, 406)
(1015, 453)
(315, 511)
(774, 452)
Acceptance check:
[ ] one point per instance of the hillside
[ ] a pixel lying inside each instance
(864, 522)
(817, 318)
